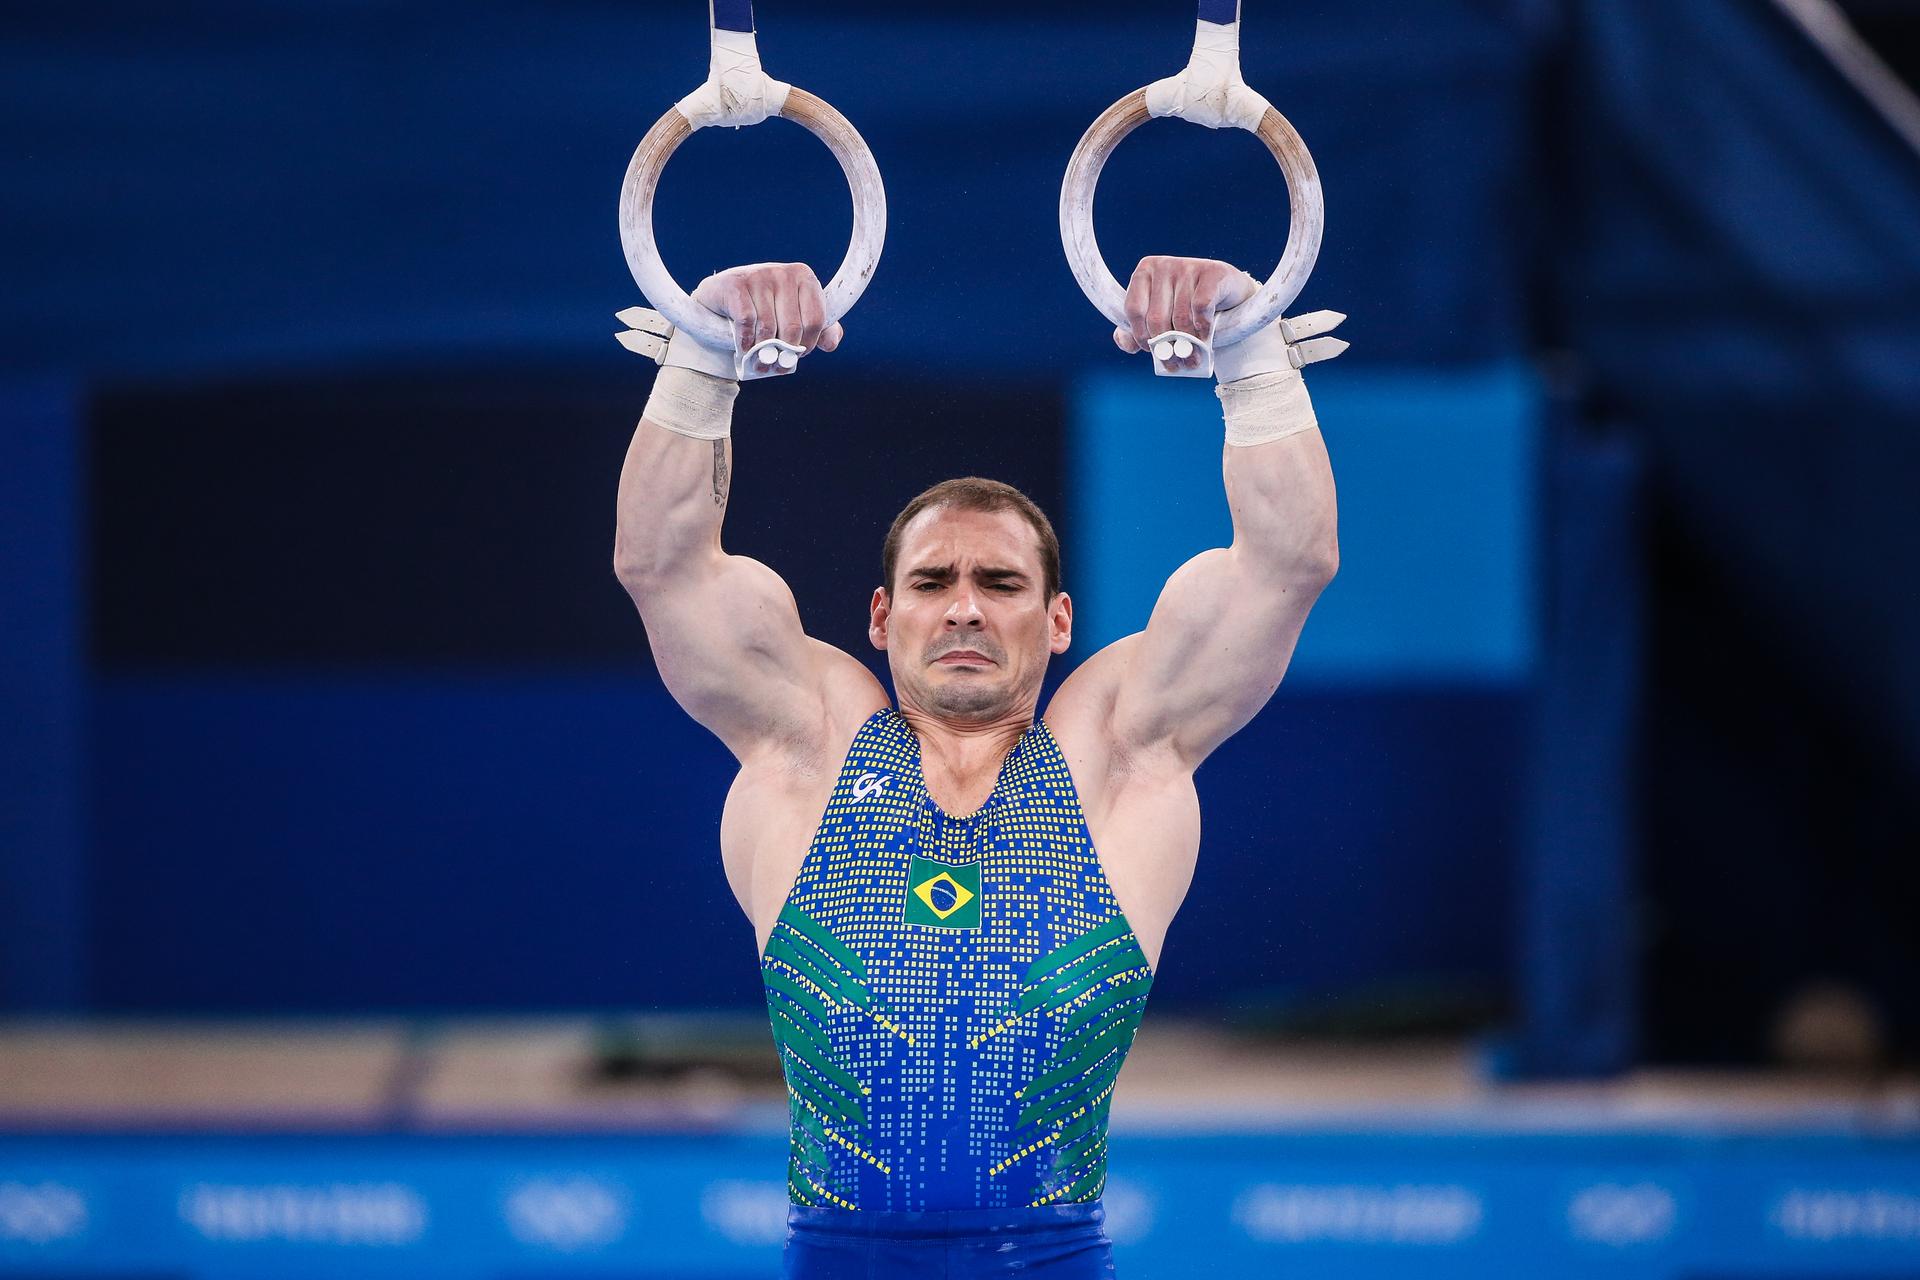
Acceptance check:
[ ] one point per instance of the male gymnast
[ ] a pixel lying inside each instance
(959, 901)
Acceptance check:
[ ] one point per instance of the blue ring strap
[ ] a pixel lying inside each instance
(737, 15)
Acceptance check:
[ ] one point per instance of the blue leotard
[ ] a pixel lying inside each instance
(952, 997)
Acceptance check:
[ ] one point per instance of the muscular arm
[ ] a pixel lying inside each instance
(724, 629)
(1224, 629)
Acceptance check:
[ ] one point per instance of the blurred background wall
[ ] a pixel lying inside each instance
(320, 695)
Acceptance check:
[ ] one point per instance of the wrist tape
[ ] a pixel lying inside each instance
(691, 403)
(1267, 406)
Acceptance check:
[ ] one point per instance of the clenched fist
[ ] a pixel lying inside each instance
(1180, 293)
(771, 300)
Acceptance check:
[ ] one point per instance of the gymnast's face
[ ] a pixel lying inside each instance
(967, 626)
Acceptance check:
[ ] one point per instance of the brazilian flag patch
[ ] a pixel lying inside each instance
(943, 897)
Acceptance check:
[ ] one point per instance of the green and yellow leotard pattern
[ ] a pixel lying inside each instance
(952, 998)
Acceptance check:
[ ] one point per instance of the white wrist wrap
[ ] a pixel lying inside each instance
(691, 403)
(1267, 406)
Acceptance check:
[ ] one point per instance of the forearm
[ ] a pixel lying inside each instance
(672, 498)
(1281, 496)
(1224, 629)
(723, 629)
(673, 488)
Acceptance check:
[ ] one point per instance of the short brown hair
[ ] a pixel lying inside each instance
(973, 493)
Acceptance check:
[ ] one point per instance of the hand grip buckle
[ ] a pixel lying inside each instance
(1171, 348)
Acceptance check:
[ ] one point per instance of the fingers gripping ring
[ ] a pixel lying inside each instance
(1289, 276)
(643, 254)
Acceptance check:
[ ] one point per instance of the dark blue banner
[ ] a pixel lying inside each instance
(1320, 1206)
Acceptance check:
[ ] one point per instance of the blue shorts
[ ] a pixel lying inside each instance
(1057, 1242)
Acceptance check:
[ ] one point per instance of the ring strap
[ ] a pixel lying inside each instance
(737, 15)
(737, 92)
(1209, 89)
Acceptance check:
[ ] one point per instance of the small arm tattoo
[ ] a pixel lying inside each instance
(719, 472)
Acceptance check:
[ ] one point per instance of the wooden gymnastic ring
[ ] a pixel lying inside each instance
(1289, 274)
(664, 295)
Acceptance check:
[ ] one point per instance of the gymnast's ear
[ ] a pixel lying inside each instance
(1060, 616)
(877, 610)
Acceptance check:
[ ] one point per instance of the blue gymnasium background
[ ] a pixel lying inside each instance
(320, 697)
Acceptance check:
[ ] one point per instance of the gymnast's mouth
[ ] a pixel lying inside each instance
(963, 657)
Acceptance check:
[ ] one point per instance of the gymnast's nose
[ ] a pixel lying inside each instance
(965, 609)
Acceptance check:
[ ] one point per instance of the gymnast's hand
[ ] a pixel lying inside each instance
(771, 300)
(1179, 293)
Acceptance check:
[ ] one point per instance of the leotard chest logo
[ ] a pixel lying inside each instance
(868, 783)
(943, 897)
